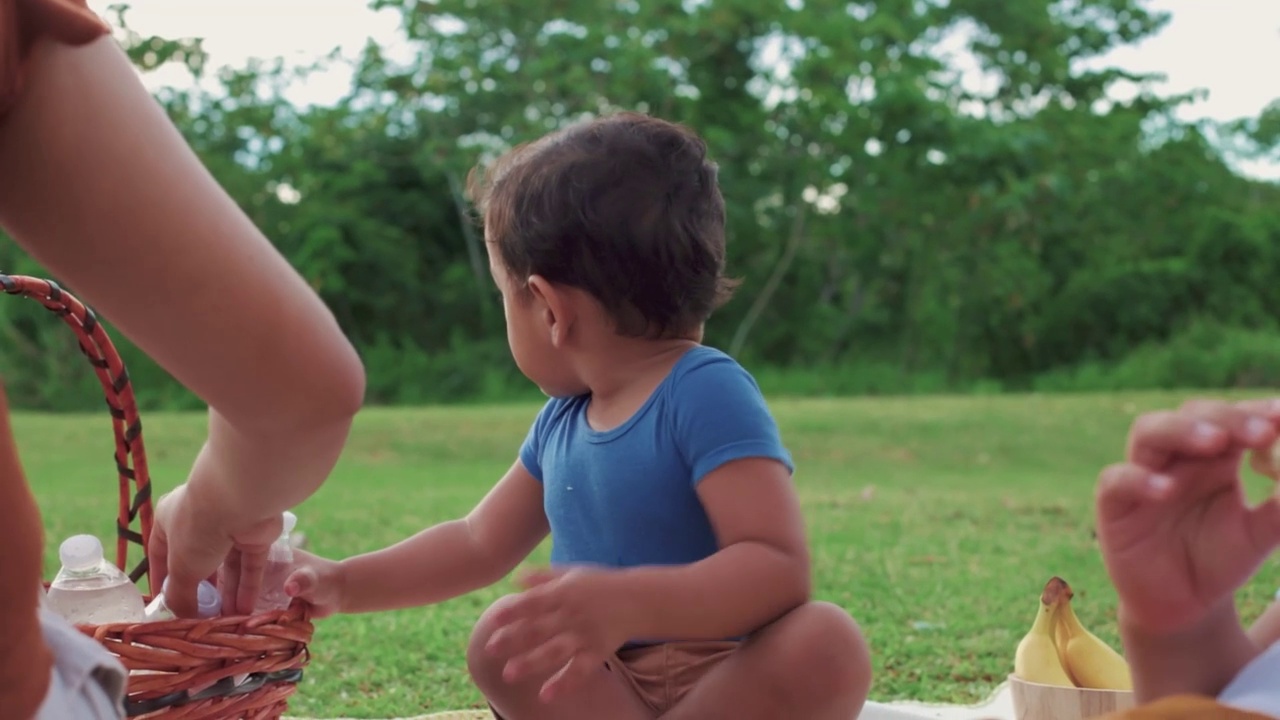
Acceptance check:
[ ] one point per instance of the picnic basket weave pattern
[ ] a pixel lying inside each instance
(224, 668)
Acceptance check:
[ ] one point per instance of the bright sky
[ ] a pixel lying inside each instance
(1230, 48)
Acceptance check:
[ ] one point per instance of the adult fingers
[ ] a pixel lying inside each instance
(1262, 523)
(1200, 429)
(1248, 427)
(188, 566)
(1123, 487)
(1267, 407)
(252, 564)
(158, 556)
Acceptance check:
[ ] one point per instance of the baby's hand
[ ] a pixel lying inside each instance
(1177, 534)
(318, 582)
(563, 628)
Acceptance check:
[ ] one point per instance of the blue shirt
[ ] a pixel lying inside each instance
(628, 496)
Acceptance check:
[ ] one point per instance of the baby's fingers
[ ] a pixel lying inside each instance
(302, 583)
(1125, 486)
(575, 673)
(543, 660)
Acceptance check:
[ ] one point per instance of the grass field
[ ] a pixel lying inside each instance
(935, 521)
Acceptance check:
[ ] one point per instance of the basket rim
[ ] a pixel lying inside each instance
(133, 475)
(177, 667)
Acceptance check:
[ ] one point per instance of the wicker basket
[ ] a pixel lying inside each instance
(179, 669)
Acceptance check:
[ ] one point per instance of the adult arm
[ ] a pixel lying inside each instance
(98, 185)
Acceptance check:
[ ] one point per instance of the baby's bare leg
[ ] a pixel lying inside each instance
(810, 664)
(606, 695)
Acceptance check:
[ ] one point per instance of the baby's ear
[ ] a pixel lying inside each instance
(557, 310)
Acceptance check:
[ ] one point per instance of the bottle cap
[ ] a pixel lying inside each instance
(80, 552)
(290, 522)
(208, 600)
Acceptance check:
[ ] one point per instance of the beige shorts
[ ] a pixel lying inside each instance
(661, 675)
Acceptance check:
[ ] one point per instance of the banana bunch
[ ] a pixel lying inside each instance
(1058, 650)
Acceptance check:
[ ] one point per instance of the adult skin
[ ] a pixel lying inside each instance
(98, 185)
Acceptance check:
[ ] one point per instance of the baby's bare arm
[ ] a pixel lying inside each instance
(452, 558)
(760, 573)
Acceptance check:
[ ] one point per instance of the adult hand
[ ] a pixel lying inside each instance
(1177, 534)
(192, 536)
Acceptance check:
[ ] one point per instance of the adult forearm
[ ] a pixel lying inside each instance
(1200, 660)
(254, 473)
(437, 564)
(118, 208)
(734, 592)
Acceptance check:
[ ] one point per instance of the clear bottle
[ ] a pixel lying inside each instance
(279, 565)
(208, 602)
(88, 590)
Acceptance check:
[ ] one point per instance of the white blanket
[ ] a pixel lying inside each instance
(999, 706)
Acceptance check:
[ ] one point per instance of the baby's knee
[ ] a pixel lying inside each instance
(485, 668)
(826, 655)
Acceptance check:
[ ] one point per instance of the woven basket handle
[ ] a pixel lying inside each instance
(131, 456)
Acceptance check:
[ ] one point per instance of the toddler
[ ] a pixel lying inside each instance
(679, 584)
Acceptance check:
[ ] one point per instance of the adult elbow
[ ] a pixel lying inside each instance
(347, 389)
(323, 390)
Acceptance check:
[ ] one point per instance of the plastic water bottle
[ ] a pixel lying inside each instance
(208, 602)
(88, 590)
(279, 565)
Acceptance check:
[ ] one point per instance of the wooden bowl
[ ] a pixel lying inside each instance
(1036, 701)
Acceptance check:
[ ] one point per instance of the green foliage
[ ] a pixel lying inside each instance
(1205, 355)
(898, 230)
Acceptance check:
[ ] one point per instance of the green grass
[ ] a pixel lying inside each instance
(934, 520)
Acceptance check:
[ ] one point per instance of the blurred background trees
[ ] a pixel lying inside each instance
(1054, 227)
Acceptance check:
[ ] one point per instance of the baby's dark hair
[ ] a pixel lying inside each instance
(625, 207)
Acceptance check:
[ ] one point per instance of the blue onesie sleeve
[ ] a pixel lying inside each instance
(720, 416)
(531, 448)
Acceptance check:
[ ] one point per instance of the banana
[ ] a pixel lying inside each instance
(1036, 659)
(1090, 662)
